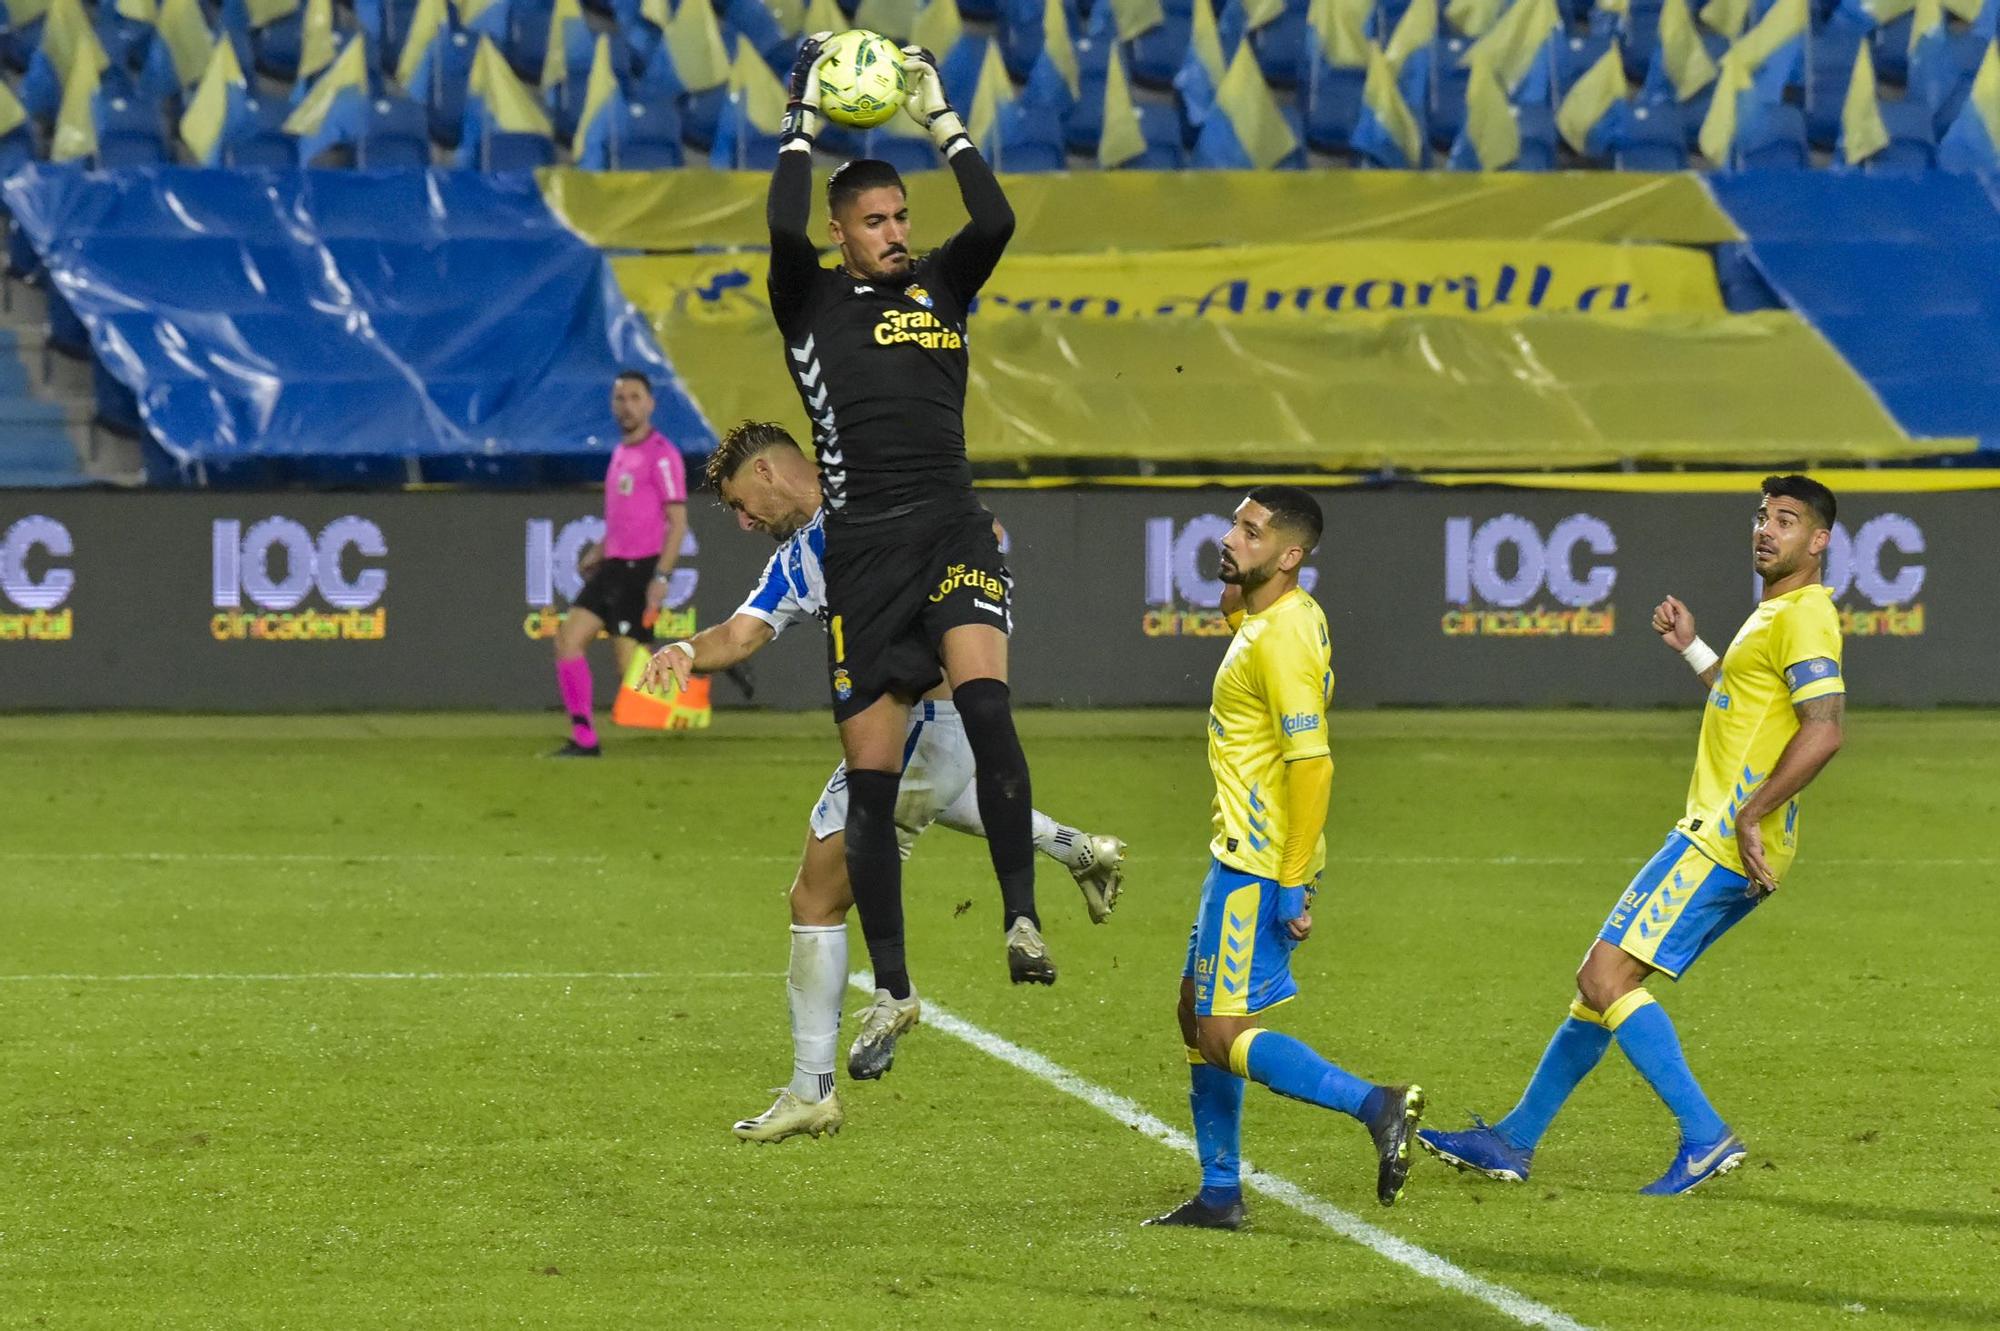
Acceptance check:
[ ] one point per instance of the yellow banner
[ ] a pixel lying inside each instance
(1422, 391)
(1259, 283)
(1162, 210)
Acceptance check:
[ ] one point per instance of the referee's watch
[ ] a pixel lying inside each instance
(662, 577)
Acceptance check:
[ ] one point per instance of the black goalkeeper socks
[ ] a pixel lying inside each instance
(1006, 804)
(875, 874)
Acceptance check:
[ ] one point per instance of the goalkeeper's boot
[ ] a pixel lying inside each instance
(1199, 1214)
(1481, 1150)
(789, 1116)
(1027, 956)
(1098, 865)
(1392, 1126)
(882, 1021)
(571, 749)
(1695, 1165)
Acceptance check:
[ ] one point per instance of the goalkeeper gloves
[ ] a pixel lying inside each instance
(802, 103)
(926, 102)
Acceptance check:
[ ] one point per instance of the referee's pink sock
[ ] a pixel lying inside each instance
(573, 678)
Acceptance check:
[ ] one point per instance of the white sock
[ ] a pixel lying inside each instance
(1053, 839)
(815, 984)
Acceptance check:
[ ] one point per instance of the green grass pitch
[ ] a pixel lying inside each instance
(219, 1107)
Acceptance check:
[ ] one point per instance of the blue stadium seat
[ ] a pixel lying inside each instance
(129, 134)
(255, 136)
(978, 11)
(124, 40)
(1773, 141)
(740, 145)
(754, 22)
(1830, 56)
(1652, 138)
(1154, 55)
(1283, 47)
(1084, 124)
(1537, 125)
(1161, 128)
(701, 112)
(502, 151)
(1575, 54)
(23, 264)
(648, 136)
(1639, 36)
(1033, 156)
(527, 38)
(1332, 104)
(17, 146)
(1941, 74)
(444, 101)
(392, 135)
(277, 45)
(1891, 49)
(1912, 148)
(1021, 37)
(1448, 80)
(384, 23)
(906, 154)
(17, 45)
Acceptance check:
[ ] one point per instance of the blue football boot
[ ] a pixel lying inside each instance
(1695, 1165)
(1480, 1149)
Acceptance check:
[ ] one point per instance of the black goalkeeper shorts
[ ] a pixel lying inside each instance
(893, 598)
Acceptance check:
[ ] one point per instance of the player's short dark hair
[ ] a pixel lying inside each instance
(637, 377)
(850, 180)
(744, 441)
(1808, 492)
(1294, 510)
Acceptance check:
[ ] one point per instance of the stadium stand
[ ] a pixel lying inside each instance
(143, 89)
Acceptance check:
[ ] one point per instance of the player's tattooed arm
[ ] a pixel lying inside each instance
(1812, 748)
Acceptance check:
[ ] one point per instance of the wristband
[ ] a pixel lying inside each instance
(1699, 656)
(662, 577)
(684, 646)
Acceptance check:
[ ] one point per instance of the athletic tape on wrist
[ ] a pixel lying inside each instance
(1700, 656)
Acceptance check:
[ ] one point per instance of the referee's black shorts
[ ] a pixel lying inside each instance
(616, 593)
(894, 596)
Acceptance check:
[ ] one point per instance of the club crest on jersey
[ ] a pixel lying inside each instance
(843, 687)
(625, 483)
(918, 294)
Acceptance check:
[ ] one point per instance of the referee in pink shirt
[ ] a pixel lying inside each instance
(645, 517)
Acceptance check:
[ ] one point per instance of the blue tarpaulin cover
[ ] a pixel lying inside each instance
(1902, 275)
(345, 313)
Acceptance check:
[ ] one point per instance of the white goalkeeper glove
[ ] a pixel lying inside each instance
(924, 99)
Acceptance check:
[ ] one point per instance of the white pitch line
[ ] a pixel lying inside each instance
(308, 977)
(1349, 1226)
(285, 857)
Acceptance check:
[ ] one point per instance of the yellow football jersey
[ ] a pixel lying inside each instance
(1268, 707)
(1786, 653)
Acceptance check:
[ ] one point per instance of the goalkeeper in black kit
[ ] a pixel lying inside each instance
(916, 587)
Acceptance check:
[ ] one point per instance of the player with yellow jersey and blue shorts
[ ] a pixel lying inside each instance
(1267, 746)
(1776, 705)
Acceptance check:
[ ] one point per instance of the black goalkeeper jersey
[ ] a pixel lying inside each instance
(881, 365)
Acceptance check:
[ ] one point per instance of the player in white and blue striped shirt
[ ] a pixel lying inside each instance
(762, 474)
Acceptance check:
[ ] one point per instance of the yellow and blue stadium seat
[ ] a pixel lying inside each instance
(1154, 56)
(254, 136)
(1332, 99)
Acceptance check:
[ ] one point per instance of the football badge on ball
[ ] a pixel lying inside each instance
(860, 79)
